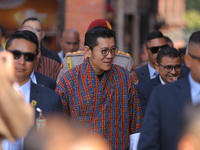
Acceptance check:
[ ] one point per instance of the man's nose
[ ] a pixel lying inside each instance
(173, 71)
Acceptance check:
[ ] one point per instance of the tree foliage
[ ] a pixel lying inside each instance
(192, 4)
(192, 14)
(192, 19)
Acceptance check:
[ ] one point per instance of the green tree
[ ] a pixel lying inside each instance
(192, 4)
(192, 19)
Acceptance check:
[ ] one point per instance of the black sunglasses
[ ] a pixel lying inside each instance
(156, 48)
(27, 56)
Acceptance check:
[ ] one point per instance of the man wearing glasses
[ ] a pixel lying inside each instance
(101, 96)
(163, 114)
(154, 42)
(169, 68)
(73, 59)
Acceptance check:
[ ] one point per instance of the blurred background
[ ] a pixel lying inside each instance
(132, 20)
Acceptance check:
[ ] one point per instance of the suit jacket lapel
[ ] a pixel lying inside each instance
(183, 94)
(145, 73)
(35, 97)
(39, 79)
(156, 81)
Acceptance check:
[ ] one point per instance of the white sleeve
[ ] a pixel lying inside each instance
(134, 138)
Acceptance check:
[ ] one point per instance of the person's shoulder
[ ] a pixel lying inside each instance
(123, 55)
(144, 84)
(46, 93)
(125, 60)
(172, 85)
(78, 53)
(50, 53)
(37, 74)
(119, 70)
(141, 69)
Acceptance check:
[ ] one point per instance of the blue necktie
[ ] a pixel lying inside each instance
(155, 74)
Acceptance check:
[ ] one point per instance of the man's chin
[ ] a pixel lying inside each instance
(173, 79)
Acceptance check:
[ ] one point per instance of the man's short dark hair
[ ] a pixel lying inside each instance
(182, 50)
(2, 31)
(97, 32)
(31, 19)
(195, 37)
(24, 34)
(167, 52)
(167, 39)
(153, 35)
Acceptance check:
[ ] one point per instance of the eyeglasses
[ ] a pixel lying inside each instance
(195, 57)
(169, 68)
(156, 48)
(27, 56)
(105, 51)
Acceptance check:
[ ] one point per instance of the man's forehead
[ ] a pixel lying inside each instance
(104, 41)
(20, 42)
(169, 60)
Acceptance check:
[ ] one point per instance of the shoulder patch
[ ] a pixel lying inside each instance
(79, 52)
(61, 65)
(133, 68)
(123, 54)
(74, 53)
(135, 77)
(118, 52)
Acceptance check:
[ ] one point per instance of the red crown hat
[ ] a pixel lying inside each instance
(100, 22)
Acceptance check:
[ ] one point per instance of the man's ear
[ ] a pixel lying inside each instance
(188, 60)
(157, 68)
(88, 51)
(39, 54)
(43, 34)
(145, 52)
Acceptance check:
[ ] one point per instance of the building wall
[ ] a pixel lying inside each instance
(172, 12)
(80, 13)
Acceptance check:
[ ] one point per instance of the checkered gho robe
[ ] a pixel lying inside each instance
(110, 106)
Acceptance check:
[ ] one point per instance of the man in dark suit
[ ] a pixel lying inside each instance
(161, 122)
(24, 47)
(154, 42)
(43, 80)
(169, 68)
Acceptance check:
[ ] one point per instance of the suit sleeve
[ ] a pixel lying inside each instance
(150, 137)
(62, 91)
(53, 85)
(59, 108)
(143, 101)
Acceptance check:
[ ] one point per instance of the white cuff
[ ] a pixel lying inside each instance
(134, 138)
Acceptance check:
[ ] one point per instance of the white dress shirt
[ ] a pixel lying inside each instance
(194, 90)
(152, 72)
(162, 82)
(33, 78)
